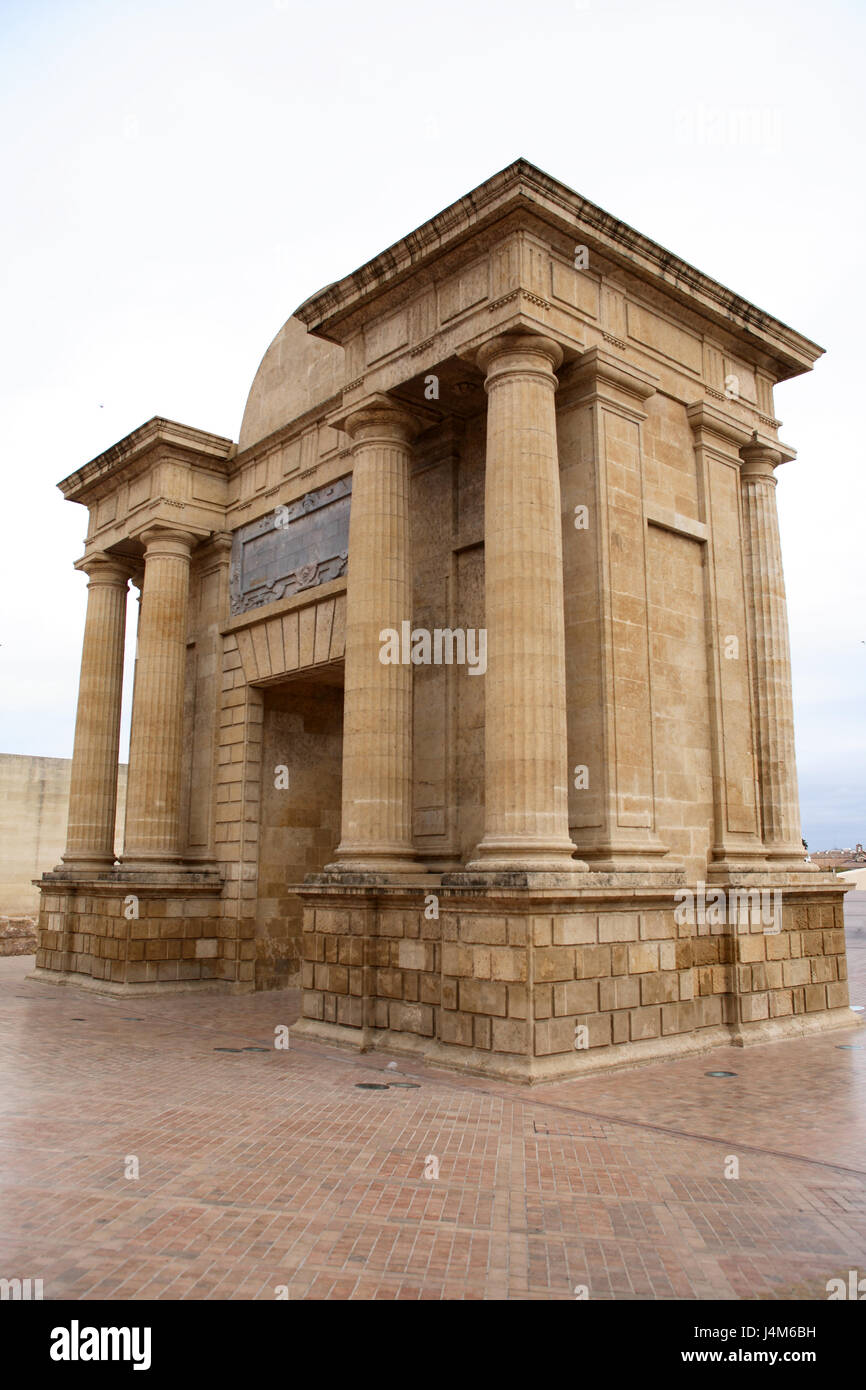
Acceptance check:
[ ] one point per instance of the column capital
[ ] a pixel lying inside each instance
(761, 456)
(600, 373)
(710, 424)
(381, 418)
(220, 543)
(102, 568)
(165, 540)
(508, 348)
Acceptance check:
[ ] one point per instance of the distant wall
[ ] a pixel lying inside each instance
(34, 797)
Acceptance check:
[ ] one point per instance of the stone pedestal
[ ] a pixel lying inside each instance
(137, 932)
(520, 978)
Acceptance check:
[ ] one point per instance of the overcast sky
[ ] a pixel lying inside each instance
(178, 176)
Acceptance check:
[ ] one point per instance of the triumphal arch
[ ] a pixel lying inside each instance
(462, 686)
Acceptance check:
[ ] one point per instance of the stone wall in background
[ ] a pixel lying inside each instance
(34, 795)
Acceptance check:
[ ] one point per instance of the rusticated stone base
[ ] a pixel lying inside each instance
(541, 982)
(149, 933)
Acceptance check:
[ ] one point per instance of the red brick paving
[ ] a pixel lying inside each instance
(262, 1170)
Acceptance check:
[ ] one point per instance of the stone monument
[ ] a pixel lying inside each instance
(463, 690)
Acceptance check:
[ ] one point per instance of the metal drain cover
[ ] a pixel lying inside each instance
(370, 1086)
(720, 1073)
(228, 1049)
(254, 1049)
(404, 1085)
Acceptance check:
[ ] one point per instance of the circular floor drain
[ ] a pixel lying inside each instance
(720, 1073)
(228, 1049)
(370, 1086)
(78, 1020)
(130, 1018)
(255, 1049)
(849, 1047)
(404, 1085)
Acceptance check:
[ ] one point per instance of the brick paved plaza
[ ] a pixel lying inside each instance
(263, 1169)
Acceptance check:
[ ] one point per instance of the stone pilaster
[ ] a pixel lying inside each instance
(377, 729)
(737, 843)
(526, 757)
(153, 799)
(93, 788)
(771, 656)
(610, 713)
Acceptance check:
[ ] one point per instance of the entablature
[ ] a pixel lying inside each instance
(162, 474)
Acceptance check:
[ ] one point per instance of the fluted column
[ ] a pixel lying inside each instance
(93, 788)
(526, 756)
(377, 722)
(771, 657)
(153, 797)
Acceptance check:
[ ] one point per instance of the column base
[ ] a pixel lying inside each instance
(791, 860)
(85, 863)
(529, 853)
(732, 863)
(376, 859)
(732, 870)
(147, 862)
(627, 851)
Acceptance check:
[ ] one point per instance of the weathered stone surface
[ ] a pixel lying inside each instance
(17, 936)
(295, 546)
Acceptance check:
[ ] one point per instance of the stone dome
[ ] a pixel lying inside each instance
(296, 373)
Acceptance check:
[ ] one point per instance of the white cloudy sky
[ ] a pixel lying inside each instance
(177, 175)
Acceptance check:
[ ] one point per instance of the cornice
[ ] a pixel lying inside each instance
(212, 450)
(526, 188)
